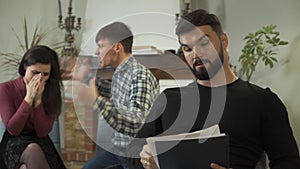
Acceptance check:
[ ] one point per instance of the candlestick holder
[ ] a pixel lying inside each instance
(69, 26)
(186, 9)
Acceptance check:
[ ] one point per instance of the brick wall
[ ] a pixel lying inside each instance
(79, 147)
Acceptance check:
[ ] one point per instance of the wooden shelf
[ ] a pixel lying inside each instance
(167, 63)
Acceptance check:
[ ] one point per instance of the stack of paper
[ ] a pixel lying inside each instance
(145, 50)
(191, 150)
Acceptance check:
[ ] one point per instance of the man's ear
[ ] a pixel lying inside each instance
(224, 40)
(118, 47)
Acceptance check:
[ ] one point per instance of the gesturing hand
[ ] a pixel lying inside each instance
(216, 166)
(147, 159)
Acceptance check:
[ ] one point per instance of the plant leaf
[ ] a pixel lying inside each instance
(34, 36)
(260, 46)
(25, 35)
(283, 43)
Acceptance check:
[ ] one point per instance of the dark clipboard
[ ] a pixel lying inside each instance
(193, 153)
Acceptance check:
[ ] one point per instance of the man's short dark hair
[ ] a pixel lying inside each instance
(197, 18)
(117, 32)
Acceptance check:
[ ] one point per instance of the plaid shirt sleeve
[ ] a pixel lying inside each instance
(144, 90)
(103, 87)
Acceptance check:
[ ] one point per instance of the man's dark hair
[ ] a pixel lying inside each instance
(117, 32)
(197, 18)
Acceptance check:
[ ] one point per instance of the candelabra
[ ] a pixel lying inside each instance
(69, 26)
(186, 9)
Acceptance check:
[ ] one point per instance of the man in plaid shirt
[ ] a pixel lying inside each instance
(133, 89)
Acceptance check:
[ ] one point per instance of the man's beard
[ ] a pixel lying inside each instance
(207, 74)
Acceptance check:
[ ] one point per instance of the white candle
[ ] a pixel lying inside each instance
(70, 4)
(187, 1)
(59, 7)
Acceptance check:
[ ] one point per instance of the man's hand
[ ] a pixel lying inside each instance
(216, 166)
(81, 70)
(147, 159)
(84, 95)
(67, 67)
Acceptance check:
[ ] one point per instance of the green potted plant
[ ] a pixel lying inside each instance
(260, 47)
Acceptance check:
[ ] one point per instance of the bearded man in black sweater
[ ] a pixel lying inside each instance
(254, 118)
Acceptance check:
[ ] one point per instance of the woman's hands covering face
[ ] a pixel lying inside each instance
(34, 89)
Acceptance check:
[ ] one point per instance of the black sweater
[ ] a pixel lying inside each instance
(254, 118)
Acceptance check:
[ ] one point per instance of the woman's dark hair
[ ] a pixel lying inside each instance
(117, 32)
(196, 18)
(51, 98)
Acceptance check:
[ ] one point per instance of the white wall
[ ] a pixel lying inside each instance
(151, 21)
(243, 16)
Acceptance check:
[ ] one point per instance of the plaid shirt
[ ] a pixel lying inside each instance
(133, 90)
